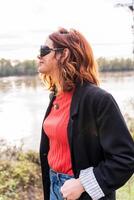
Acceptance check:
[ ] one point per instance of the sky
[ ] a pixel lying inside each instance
(25, 25)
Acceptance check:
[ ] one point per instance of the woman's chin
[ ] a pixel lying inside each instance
(42, 71)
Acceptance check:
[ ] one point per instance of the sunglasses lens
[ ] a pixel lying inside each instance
(44, 50)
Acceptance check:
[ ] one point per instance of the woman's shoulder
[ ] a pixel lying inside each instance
(98, 98)
(96, 93)
(93, 89)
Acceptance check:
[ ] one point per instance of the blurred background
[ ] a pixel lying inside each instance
(109, 27)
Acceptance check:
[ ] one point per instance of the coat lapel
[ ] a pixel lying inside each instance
(74, 110)
(76, 99)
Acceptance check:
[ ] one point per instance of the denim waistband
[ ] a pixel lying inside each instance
(59, 174)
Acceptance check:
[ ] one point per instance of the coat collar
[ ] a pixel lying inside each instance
(78, 93)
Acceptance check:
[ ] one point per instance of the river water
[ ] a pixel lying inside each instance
(23, 102)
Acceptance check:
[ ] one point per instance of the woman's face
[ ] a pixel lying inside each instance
(48, 64)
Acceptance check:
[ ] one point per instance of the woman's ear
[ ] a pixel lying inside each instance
(64, 55)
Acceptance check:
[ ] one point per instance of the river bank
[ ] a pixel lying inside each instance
(20, 176)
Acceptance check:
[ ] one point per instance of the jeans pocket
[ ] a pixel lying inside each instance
(53, 192)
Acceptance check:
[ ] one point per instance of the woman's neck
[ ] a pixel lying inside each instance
(59, 89)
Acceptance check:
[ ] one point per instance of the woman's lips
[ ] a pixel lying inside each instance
(41, 62)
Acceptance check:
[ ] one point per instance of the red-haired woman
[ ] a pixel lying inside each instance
(86, 150)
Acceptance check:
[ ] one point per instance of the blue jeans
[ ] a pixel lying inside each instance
(56, 181)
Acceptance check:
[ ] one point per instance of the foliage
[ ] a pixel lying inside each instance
(115, 64)
(17, 68)
(26, 67)
(5, 67)
(29, 67)
(127, 191)
(20, 176)
(128, 118)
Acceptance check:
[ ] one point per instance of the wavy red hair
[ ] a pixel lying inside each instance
(79, 65)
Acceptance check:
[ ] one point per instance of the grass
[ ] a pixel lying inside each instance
(127, 191)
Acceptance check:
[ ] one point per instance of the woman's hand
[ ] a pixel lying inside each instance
(72, 189)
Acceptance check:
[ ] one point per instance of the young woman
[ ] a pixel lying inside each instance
(86, 150)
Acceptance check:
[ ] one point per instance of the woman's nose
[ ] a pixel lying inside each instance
(39, 57)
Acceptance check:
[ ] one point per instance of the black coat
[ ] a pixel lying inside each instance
(98, 137)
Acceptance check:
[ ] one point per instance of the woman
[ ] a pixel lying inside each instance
(86, 150)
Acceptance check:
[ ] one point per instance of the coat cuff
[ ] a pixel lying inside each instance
(90, 184)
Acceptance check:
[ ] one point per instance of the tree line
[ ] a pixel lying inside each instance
(17, 68)
(29, 67)
(116, 64)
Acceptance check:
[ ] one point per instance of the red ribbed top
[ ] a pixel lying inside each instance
(55, 126)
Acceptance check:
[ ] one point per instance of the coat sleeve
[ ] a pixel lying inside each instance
(117, 144)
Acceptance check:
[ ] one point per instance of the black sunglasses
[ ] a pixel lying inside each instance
(44, 50)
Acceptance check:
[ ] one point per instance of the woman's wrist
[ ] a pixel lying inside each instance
(80, 185)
